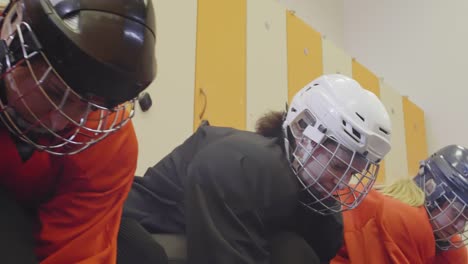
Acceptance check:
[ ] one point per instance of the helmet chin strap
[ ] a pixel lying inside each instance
(22, 123)
(307, 196)
(3, 55)
(25, 150)
(419, 179)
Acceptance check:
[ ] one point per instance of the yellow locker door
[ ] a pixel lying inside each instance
(365, 77)
(335, 60)
(396, 163)
(416, 144)
(220, 71)
(371, 82)
(305, 61)
(170, 121)
(267, 85)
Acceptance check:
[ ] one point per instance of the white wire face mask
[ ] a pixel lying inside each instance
(39, 107)
(334, 178)
(448, 221)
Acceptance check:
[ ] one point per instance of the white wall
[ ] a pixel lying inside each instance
(420, 48)
(325, 16)
(266, 59)
(417, 46)
(170, 121)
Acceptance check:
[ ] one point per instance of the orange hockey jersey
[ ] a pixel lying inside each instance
(386, 231)
(78, 199)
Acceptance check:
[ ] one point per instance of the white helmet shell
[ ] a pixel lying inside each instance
(351, 114)
(335, 133)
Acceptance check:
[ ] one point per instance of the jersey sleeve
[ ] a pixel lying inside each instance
(80, 223)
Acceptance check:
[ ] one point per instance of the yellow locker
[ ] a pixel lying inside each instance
(416, 144)
(366, 78)
(305, 62)
(396, 163)
(371, 82)
(220, 71)
(267, 84)
(335, 59)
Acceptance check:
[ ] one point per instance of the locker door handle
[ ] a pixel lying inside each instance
(203, 93)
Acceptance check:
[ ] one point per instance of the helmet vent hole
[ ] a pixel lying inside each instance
(322, 129)
(351, 136)
(302, 123)
(360, 116)
(356, 133)
(72, 21)
(14, 17)
(384, 131)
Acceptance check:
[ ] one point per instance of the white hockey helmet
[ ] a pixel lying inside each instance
(444, 179)
(336, 133)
